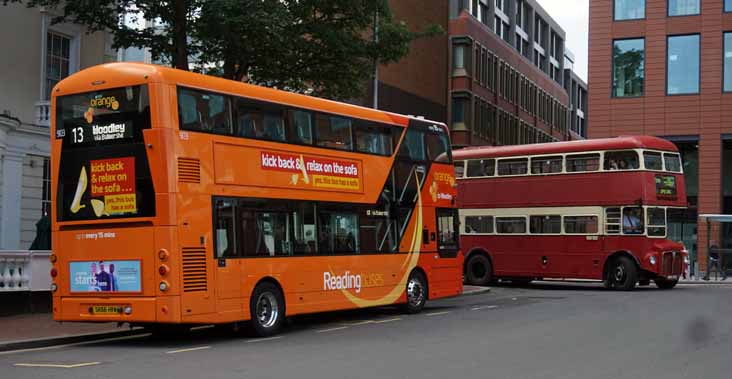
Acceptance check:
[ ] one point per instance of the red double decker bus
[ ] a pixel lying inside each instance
(593, 209)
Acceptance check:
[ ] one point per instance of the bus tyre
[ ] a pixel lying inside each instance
(623, 274)
(267, 309)
(416, 292)
(665, 284)
(478, 270)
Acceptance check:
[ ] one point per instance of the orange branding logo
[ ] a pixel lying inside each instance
(105, 102)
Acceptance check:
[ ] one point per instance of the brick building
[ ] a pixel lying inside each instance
(664, 68)
(497, 77)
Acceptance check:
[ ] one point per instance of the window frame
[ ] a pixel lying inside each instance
(726, 74)
(615, 19)
(464, 224)
(699, 58)
(524, 217)
(668, 10)
(649, 225)
(561, 225)
(612, 65)
(564, 228)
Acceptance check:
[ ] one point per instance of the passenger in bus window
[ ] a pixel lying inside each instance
(274, 127)
(633, 220)
(612, 164)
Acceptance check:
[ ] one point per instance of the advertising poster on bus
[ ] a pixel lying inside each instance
(105, 276)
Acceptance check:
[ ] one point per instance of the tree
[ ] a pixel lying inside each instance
(323, 47)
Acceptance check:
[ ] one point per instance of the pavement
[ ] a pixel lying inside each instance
(542, 330)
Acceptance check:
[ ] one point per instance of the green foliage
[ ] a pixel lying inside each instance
(324, 47)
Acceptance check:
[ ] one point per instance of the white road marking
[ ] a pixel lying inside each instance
(331, 329)
(385, 321)
(75, 344)
(54, 365)
(187, 350)
(437, 313)
(263, 339)
(484, 307)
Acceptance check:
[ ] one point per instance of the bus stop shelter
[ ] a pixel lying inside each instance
(718, 245)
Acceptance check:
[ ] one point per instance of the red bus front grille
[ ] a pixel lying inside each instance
(671, 263)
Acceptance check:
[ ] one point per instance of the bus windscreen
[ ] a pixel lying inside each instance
(104, 170)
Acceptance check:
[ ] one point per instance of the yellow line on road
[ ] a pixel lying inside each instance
(187, 350)
(53, 365)
(331, 329)
(263, 339)
(437, 313)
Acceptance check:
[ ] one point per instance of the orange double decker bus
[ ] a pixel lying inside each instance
(186, 199)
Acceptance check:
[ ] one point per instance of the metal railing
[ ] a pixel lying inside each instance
(25, 270)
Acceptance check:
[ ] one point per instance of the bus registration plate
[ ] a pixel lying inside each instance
(106, 310)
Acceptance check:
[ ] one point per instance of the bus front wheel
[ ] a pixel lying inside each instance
(267, 309)
(622, 275)
(478, 270)
(665, 284)
(416, 293)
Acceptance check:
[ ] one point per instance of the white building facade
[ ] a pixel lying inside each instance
(36, 55)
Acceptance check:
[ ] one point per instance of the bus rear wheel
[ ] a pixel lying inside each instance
(416, 293)
(622, 274)
(665, 284)
(267, 309)
(478, 270)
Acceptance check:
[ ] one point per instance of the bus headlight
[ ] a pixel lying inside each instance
(164, 286)
(127, 310)
(652, 260)
(54, 287)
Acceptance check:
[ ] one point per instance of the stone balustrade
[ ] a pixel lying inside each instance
(24, 270)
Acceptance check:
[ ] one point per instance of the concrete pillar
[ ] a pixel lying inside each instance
(710, 189)
(12, 184)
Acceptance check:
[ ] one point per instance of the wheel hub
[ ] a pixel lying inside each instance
(619, 273)
(415, 292)
(267, 310)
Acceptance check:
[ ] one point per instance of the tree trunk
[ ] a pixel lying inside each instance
(180, 59)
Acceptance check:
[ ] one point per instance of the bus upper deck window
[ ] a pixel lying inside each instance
(672, 162)
(583, 162)
(301, 127)
(203, 111)
(373, 139)
(621, 160)
(438, 147)
(652, 161)
(334, 132)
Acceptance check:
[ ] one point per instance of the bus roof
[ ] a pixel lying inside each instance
(618, 143)
(118, 74)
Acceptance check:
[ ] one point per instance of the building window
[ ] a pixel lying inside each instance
(46, 196)
(458, 60)
(728, 5)
(683, 7)
(682, 73)
(457, 6)
(459, 113)
(58, 57)
(483, 11)
(728, 61)
(630, 9)
(628, 67)
(499, 4)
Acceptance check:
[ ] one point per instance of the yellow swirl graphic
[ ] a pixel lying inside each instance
(411, 261)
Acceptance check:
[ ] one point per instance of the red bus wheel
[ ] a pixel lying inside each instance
(665, 284)
(623, 274)
(478, 270)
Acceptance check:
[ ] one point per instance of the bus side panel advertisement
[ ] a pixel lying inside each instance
(315, 172)
(105, 276)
